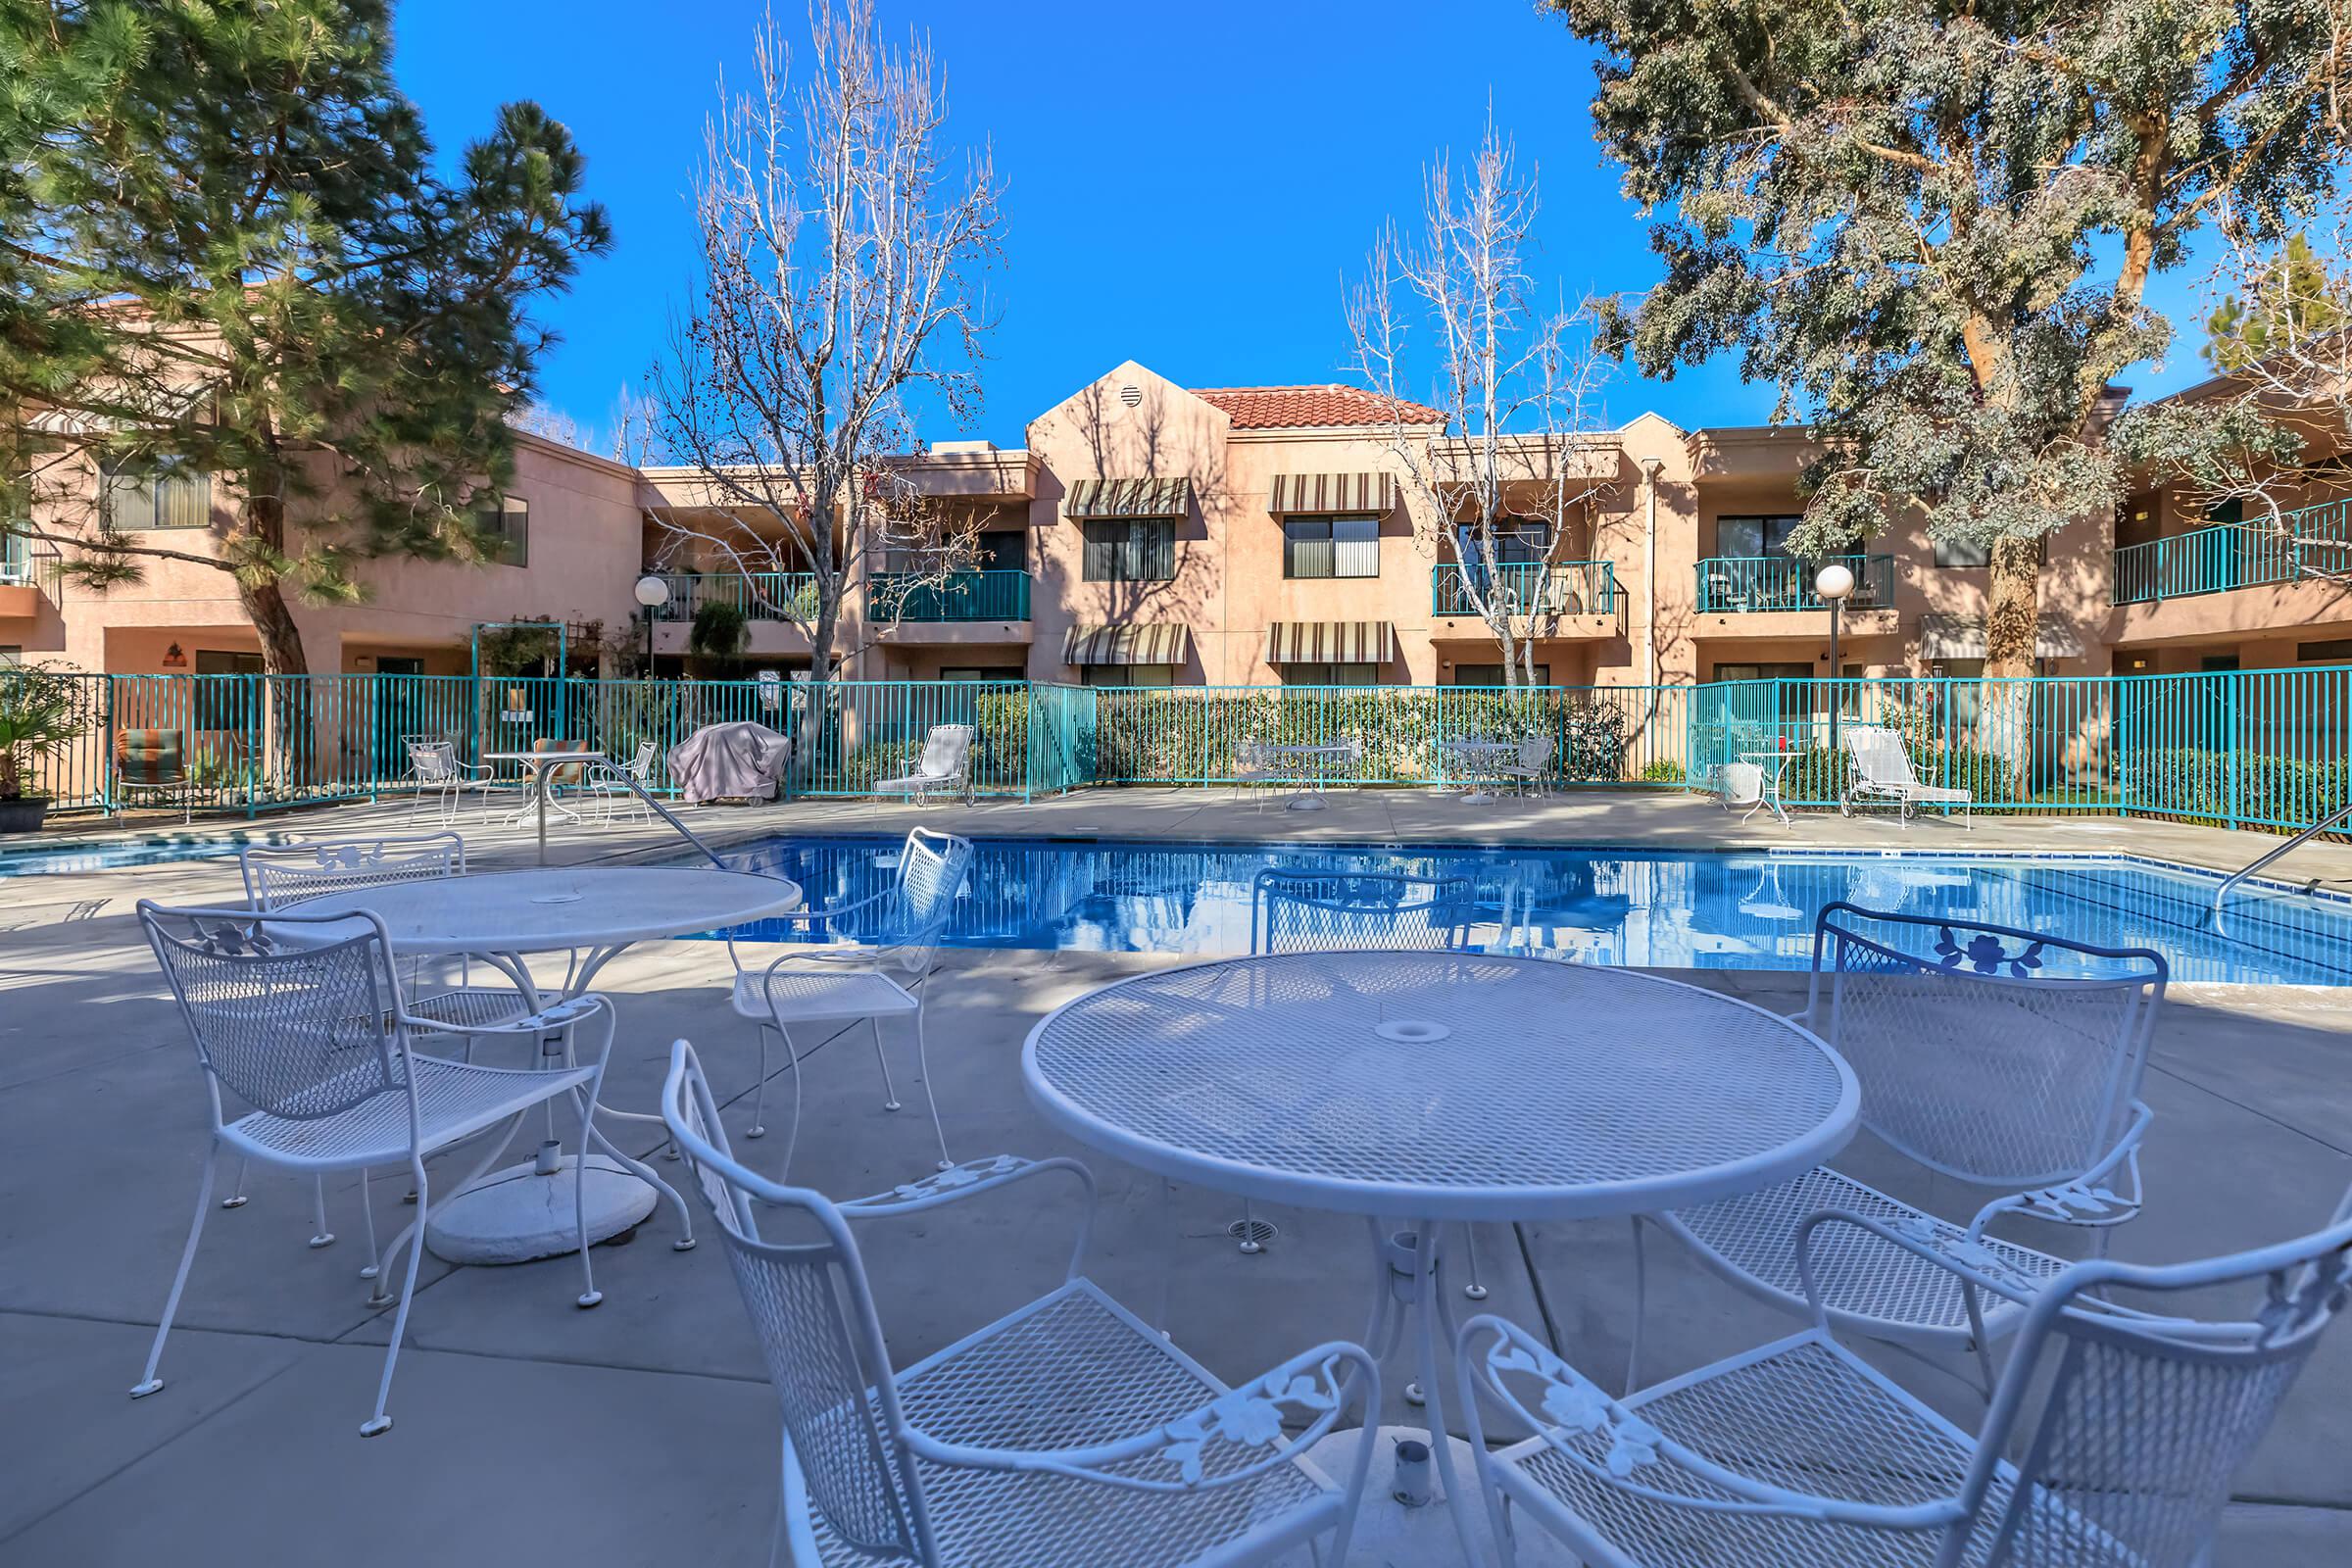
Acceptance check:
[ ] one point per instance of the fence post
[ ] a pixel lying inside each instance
(253, 743)
(2233, 738)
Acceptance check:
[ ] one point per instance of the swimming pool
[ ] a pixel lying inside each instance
(99, 855)
(1621, 906)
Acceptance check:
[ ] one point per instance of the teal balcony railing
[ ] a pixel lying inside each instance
(689, 591)
(1746, 584)
(1559, 588)
(2231, 556)
(1001, 595)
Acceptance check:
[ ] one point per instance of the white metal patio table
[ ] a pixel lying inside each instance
(1417, 1089)
(1771, 768)
(1312, 762)
(592, 915)
(539, 764)
(1477, 761)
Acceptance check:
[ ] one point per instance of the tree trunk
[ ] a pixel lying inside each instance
(2012, 615)
(265, 606)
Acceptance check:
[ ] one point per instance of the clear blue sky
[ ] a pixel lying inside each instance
(1188, 184)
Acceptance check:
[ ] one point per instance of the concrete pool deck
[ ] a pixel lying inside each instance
(642, 1433)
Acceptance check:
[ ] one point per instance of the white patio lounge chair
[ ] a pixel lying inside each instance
(1882, 771)
(1532, 764)
(883, 948)
(301, 1017)
(2127, 1427)
(945, 767)
(1067, 1434)
(2004, 1060)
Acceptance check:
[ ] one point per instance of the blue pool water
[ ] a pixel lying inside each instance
(57, 858)
(1679, 910)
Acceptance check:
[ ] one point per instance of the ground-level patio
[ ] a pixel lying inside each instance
(644, 1432)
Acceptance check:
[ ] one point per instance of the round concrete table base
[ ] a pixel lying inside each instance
(1388, 1531)
(515, 1215)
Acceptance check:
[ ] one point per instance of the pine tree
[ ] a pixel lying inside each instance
(2293, 299)
(223, 250)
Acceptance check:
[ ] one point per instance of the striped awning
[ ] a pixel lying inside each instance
(1330, 642)
(1152, 642)
(1945, 636)
(1375, 493)
(1127, 498)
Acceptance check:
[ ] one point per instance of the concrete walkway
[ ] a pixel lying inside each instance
(642, 1433)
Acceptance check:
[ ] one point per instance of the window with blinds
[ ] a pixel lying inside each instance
(166, 494)
(1331, 546)
(504, 525)
(1330, 675)
(1130, 550)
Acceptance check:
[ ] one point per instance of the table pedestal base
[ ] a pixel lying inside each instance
(515, 1215)
(1427, 1537)
(1304, 803)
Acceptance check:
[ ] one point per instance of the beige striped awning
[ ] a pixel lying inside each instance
(1152, 642)
(1330, 642)
(1127, 498)
(1375, 493)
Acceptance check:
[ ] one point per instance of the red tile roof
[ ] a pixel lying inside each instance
(1292, 408)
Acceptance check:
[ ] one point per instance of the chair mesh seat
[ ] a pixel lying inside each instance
(809, 996)
(1809, 1418)
(1857, 1273)
(470, 1007)
(453, 1101)
(1073, 1370)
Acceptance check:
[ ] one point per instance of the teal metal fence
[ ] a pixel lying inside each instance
(1745, 584)
(2240, 749)
(1001, 595)
(2232, 556)
(1564, 588)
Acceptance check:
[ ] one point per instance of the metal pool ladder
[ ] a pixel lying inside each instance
(2340, 814)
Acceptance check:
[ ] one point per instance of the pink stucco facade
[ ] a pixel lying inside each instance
(1666, 508)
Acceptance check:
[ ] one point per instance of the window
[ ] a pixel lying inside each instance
(1518, 542)
(1001, 550)
(1331, 546)
(1130, 674)
(986, 672)
(1961, 553)
(2335, 652)
(225, 703)
(1763, 671)
(165, 495)
(1492, 674)
(1330, 675)
(1130, 550)
(1754, 536)
(504, 525)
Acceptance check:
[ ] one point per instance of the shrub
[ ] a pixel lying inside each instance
(2255, 786)
(1665, 770)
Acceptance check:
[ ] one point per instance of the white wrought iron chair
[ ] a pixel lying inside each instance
(882, 950)
(1320, 911)
(434, 765)
(1532, 764)
(2004, 1060)
(945, 767)
(300, 1017)
(1255, 765)
(1068, 1434)
(281, 874)
(1882, 771)
(616, 785)
(2128, 1426)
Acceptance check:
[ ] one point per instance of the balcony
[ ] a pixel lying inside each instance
(2231, 556)
(30, 572)
(1742, 585)
(1558, 588)
(1002, 595)
(689, 591)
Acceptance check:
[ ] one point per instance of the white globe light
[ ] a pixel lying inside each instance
(1833, 581)
(652, 592)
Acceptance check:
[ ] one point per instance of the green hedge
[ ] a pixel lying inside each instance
(2246, 786)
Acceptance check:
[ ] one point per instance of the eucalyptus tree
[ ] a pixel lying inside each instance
(236, 300)
(1933, 226)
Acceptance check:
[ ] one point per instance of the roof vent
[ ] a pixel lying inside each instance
(1132, 395)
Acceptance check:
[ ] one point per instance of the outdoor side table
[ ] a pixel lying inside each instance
(538, 764)
(502, 917)
(1422, 1088)
(1772, 766)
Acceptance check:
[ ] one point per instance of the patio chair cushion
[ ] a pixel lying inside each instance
(453, 1100)
(1071, 1369)
(1804, 1414)
(148, 757)
(815, 995)
(1754, 1237)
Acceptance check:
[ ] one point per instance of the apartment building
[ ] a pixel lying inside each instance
(1149, 533)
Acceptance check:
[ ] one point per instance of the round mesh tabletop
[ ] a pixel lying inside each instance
(1440, 1085)
(550, 910)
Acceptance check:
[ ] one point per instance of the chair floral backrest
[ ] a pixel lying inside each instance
(436, 760)
(278, 874)
(2005, 1057)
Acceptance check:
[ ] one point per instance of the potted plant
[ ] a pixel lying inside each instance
(38, 717)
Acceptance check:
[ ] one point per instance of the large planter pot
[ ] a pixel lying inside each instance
(23, 814)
